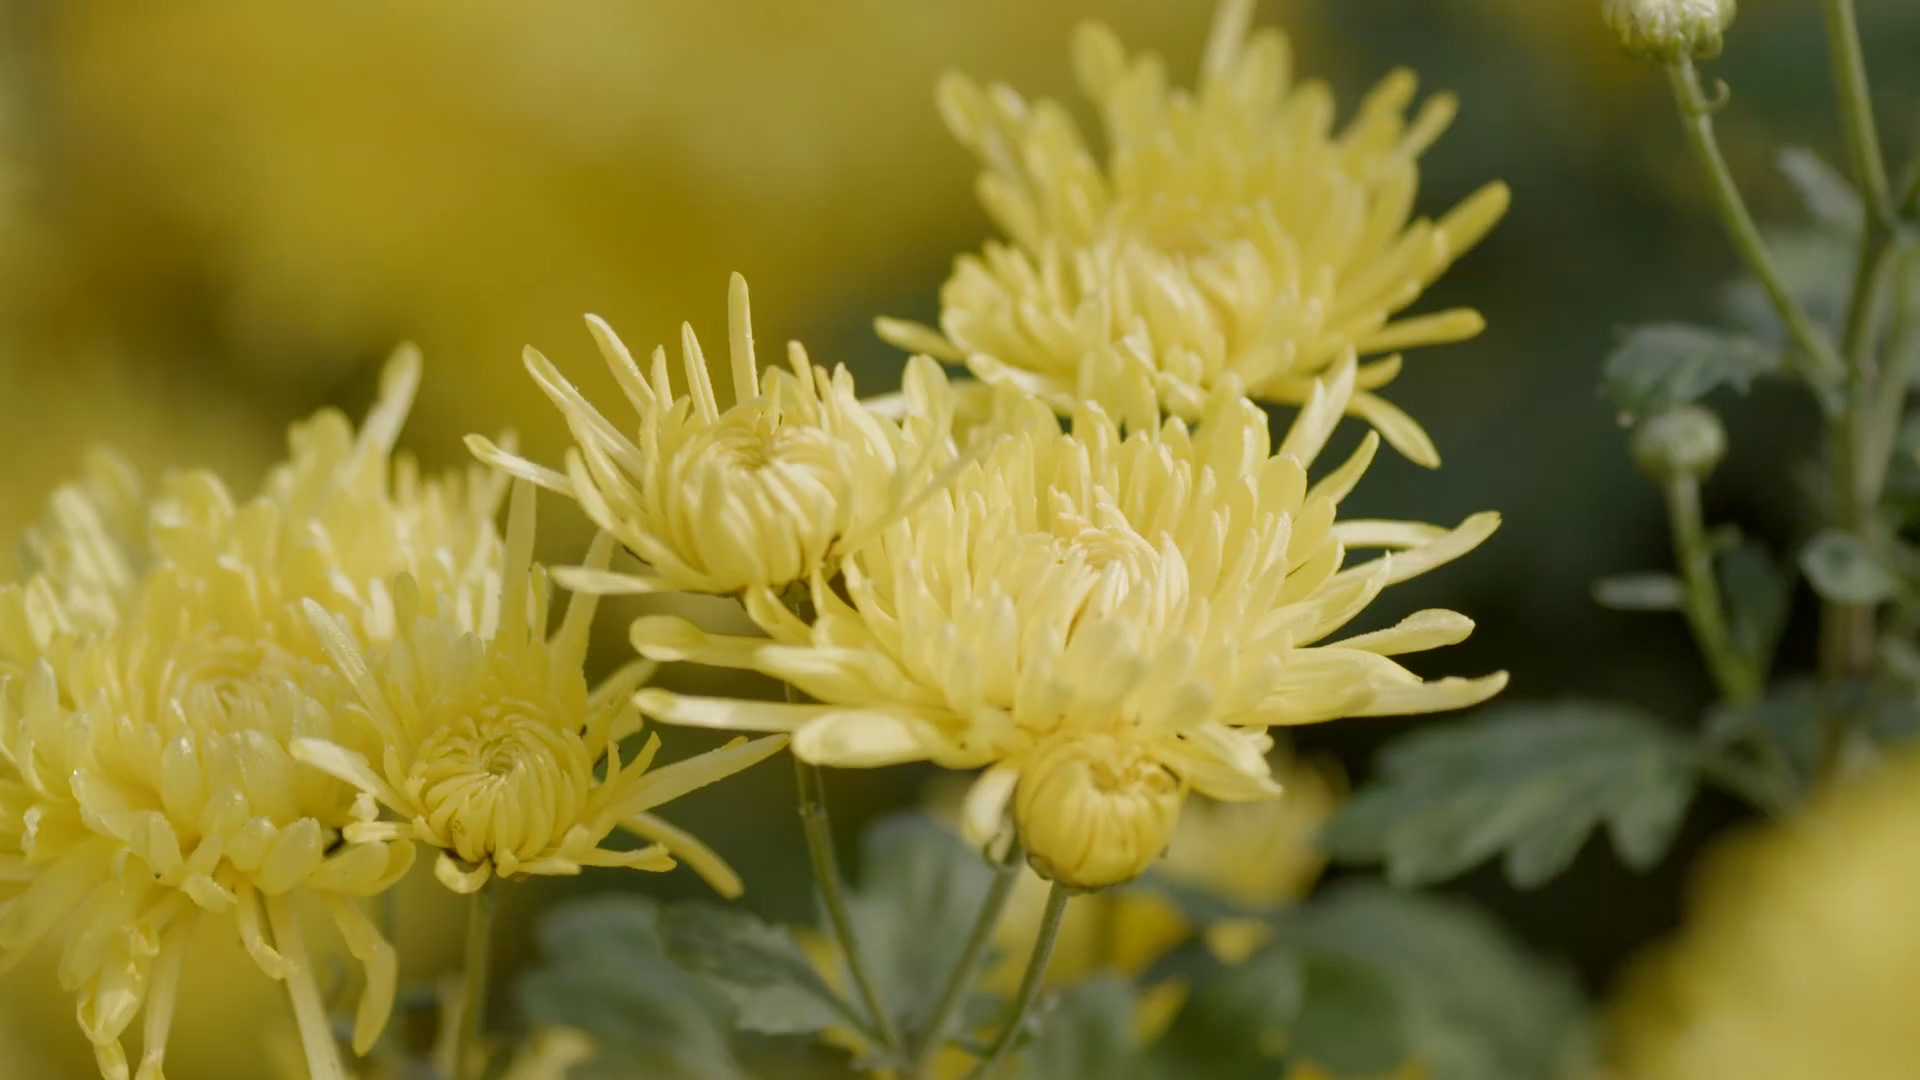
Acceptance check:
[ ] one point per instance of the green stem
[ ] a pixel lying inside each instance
(1029, 990)
(826, 875)
(470, 1059)
(1733, 674)
(1815, 359)
(1856, 107)
(960, 980)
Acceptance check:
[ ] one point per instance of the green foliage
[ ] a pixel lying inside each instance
(1475, 1005)
(920, 889)
(605, 971)
(1846, 571)
(1830, 199)
(760, 968)
(1526, 782)
(1364, 978)
(1088, 1031)
(1758, 592)
(1660, 366)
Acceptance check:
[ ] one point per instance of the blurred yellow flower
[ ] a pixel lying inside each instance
(1799, 956)
(1099, 619)
(756, 496)
(1230, 237)
(491, 747)
(157, 669)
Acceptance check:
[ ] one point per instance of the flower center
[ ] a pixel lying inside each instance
(502, 783)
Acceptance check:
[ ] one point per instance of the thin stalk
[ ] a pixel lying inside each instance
(1856, 107)
(826, 875)
(1029, 990)
(470, 1060)
(1815, 358)
(1732, 672)
(960, 979)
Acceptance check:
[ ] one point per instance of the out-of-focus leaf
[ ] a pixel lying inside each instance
(1758, 593)
(1794, 717)
(1527, 782)
(1472, 1004)
(1843, 570)
(1640, 592)
(1830, 199)
(1353, 1021)
(760, 968)
(1238, 1019)
(605, 972)
(920, 889)
(1089, 1031)
(1664, 365)
(1816, 264)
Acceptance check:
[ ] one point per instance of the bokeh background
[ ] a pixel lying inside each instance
(218, 216)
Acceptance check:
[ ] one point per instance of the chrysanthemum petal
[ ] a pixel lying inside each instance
(689, 849)
(667, 783)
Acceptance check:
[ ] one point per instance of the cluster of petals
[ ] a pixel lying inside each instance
(1102, 619)
(1222, 235)
(158, 667)
(758, 495)
(491, 747)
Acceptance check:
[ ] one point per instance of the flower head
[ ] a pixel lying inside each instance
(158, 669)
(1668, 30)
(491, 746)
(1103, 622)
(1229, 237)
(1799, 950)
(759, 495)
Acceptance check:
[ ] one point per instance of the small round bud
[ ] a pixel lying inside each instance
(1687, 441)
(1094, 810)
(1668, 30)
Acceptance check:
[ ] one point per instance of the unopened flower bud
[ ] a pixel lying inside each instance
(1094, 811)
(1668, 30)
(1687, 441)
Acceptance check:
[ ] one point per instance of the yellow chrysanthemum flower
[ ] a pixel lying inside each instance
(157, 670)
(1229, 237)
(756, 496)
(1800, 953)
(1103, 621)
(491, 747)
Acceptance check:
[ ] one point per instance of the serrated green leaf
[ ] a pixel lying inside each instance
(1528, 782)
(1089, 1031)
(1640, 592)
(759, 967)
(1469, 1002)
(605, 972)
(920, 889)
(1842, 569)
(1829, 198)
(1664, 365)
(1758, 592)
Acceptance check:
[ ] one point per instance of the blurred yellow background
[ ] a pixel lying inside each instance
(217, 216)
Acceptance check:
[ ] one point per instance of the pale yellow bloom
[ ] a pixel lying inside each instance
(1228, 237)
(1091, 616)
(157, 669)
(756, 496)
(491, 746)
(1800, 952)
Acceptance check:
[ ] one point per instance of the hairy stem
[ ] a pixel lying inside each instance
(960, 979)
(1029, 990)
(470, 1059)
(1815, 358)
(826, 876)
